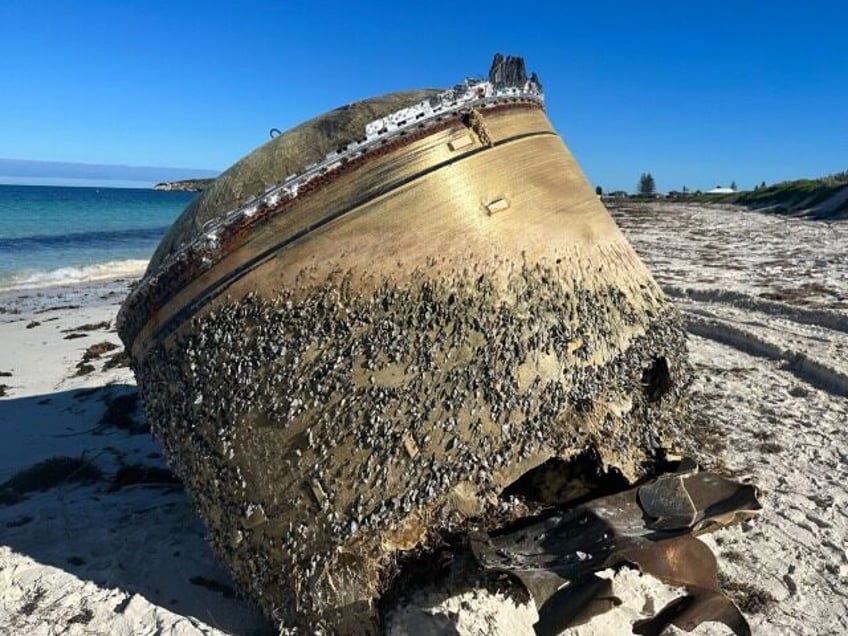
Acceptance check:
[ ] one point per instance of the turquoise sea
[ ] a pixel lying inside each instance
(51, 235)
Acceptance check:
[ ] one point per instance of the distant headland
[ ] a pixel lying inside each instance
(184, 185)
(30, 172)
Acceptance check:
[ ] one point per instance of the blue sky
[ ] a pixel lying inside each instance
(698, 94)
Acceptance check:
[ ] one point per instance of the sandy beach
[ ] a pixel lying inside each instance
(98, 537)
(105, 543)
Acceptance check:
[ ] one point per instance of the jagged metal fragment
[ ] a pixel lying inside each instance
(557, 557)
(685, 561)
(696, 501)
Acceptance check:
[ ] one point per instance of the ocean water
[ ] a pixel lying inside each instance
(52, 235)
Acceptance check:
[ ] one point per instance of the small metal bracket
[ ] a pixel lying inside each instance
(460, 141)
(498, 205)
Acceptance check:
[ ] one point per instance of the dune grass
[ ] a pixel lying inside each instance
(790, 196)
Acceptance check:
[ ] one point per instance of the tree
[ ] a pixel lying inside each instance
(732, 185)
(647, 186)
(599, 190)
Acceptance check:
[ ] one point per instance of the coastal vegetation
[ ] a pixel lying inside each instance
(825, 197)
(820, 198)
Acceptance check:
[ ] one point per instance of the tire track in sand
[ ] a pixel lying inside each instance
(827, 318)
(817, 373)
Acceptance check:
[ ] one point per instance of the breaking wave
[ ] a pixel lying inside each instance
(68, 275)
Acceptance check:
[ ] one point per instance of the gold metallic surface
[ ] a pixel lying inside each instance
(440, 210)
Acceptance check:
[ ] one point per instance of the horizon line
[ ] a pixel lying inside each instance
(5, 160)
(79, 174)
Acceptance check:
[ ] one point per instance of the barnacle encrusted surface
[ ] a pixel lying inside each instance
(350, 372)
(323, 429)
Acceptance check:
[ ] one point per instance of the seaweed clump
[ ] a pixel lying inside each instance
(47, 474)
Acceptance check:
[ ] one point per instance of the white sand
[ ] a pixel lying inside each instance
(78, 559)
(769, 297)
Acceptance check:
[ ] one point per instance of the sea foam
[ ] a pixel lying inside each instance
(27, 279)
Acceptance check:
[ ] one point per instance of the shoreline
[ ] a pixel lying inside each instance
(32, 281)
(21, 303)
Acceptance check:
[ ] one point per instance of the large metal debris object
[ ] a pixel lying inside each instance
(367, 328)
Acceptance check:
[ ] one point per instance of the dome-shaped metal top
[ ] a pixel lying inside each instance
(286, 154)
